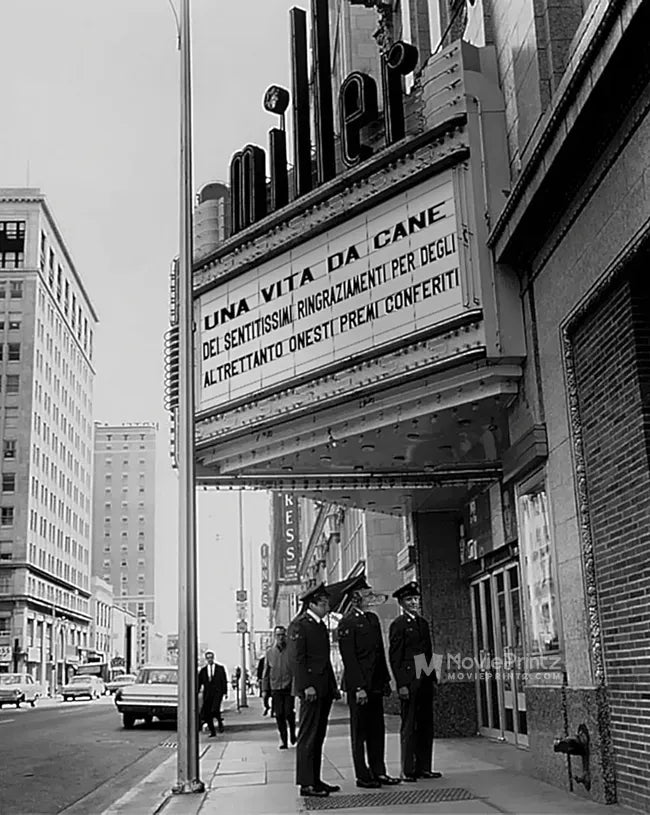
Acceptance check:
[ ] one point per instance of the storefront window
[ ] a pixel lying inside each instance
(537, 567)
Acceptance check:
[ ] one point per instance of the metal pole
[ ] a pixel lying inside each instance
(244, 700)
(251, 636)
(188, 780)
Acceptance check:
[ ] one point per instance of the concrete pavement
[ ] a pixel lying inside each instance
(245, 774)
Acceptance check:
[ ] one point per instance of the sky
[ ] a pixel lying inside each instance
(91, 117)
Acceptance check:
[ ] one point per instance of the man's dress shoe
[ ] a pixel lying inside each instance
(328, 787)
(368, 785)
(387, 780)
(429, 774)
(312, 792)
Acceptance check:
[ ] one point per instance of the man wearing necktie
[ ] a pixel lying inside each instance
(315, 684)
(410, 637)
(366, 681)
(214, 685)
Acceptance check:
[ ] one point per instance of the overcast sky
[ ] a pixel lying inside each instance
(90, 115)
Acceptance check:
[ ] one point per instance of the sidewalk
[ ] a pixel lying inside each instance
(245, 774)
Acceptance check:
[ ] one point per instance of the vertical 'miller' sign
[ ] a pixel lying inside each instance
(357, 108)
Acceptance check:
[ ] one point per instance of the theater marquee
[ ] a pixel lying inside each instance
(378, 278)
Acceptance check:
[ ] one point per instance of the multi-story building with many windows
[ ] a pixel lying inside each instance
(124, 518)
(46, 396)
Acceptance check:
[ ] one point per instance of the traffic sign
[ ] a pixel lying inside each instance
(242, 610)
(241, 595)
(242, 626)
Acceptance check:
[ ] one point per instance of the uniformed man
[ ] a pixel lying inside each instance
(366, 681)
(315, 685)
(410, 637)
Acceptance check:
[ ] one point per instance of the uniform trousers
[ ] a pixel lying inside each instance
(416, 732)
(311, 735)
(367, 736)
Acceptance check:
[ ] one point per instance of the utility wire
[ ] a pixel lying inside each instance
(453, 19)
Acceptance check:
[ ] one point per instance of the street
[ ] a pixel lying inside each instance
(73, 756)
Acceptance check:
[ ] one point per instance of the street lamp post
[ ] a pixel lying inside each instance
(243, 699)
(188, 780)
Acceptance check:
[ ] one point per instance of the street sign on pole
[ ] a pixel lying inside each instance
(242, 626)
(242, 610)
(241, 595)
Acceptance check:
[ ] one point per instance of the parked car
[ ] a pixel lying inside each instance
(155, 693)
(83, 685)
(18, 688)
(120, 682)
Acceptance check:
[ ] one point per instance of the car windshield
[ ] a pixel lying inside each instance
(158, 676)
(126, 678)
(10, 679)
(79, 679)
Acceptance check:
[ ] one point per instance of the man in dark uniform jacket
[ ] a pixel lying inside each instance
(410, 637)
(315, 685)
(214, 684)
(366, 681)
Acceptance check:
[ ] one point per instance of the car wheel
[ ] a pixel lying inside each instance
(148, 720)
(128, 720)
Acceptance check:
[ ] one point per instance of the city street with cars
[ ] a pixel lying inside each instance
(73, 756)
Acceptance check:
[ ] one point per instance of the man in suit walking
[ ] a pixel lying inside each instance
(410, 637)
(366, 681)
(214, 685)
(315, 684)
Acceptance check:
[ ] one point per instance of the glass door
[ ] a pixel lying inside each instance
(499, 656)
(487, 681)
(512, 651)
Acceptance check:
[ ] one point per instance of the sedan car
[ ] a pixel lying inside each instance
(155, 693)
(83, 685)
(18, 688)
(120, 682)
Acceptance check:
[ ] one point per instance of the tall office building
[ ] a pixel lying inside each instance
(46, 397)
(123, 551)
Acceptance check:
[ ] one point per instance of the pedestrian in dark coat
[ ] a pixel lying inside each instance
(366, 681)
(261, 666)
(213, 683)
(410, 638)
(315, 685)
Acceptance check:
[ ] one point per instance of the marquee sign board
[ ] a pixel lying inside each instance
(380, 277)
